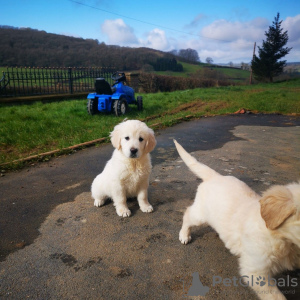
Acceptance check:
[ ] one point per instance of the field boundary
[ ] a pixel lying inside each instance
(42, 156)
(22, 82)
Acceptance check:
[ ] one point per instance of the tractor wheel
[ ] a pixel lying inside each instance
(139, 103)
(121, 107)
(92, 106)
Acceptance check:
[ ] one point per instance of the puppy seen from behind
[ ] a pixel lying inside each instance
(127, 173)
(263, 231)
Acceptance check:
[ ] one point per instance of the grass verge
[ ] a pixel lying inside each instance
(28, 130)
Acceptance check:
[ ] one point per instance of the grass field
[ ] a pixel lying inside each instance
(36, 128)
(189, 70)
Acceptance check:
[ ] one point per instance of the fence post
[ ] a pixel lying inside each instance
(132, 80)
(70, 81)
(251, 63)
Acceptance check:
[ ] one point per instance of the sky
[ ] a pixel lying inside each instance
(222, 30)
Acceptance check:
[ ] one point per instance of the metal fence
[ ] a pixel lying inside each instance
(45, 81)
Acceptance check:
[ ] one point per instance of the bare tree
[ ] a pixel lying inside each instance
(209, 60)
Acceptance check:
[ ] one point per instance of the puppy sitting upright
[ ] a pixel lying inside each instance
(127, 173)
(263, 231)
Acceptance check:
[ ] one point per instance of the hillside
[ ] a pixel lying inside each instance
(29, 47)
(25, 47)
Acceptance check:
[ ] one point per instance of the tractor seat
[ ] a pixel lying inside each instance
(102, 87)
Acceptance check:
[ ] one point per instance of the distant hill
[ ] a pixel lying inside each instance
(28, 47)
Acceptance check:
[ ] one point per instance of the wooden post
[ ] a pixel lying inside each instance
(251, 64)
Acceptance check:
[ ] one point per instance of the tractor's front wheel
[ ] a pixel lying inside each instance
(121, 107)
(92, 106)
(139, 101)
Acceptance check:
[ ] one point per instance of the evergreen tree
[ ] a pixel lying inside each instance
(267, 65)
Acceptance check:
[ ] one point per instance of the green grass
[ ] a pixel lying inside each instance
(190, 70)
(37, 128)
(234, 73)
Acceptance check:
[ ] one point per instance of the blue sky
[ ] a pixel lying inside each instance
(223, 30)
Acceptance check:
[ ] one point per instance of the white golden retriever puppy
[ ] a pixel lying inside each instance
(127, 173)
(263, 231)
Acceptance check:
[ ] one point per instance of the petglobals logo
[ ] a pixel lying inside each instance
(197, 288)
(251, 281)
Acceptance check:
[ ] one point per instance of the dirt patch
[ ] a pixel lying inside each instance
(119, 272)
(192, 107)
(197, 106)
(155, 237)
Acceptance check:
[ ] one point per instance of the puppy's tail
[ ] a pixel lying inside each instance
(200, 170)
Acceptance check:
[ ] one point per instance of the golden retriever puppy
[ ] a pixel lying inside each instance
(263, 231)
(127, 173)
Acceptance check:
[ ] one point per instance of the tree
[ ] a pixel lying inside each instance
(189, 55)
(167, 64)
(209, 60)
(267, 64)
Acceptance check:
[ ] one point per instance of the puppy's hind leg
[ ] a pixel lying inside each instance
(190, 219)
(99, 201)
(99, 198)
(97, 192)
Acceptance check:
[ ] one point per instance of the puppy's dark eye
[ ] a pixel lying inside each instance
(127, 138)
(141, 139)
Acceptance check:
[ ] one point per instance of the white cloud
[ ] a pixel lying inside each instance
(222, 40)
(119, 33)
(234, 41)
(292, 25)
(157, 39)
(224, 30)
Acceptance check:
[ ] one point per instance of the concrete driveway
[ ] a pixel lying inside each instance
(56, 245)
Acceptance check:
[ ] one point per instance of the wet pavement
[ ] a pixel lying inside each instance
(56, 245)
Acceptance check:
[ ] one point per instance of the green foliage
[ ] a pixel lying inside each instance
(189, 55)
(267, 65)
(167, 64)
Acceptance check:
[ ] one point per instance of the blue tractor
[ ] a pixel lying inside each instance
(115, 98)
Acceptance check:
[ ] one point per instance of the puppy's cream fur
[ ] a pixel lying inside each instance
(127, 173)
(263, 231)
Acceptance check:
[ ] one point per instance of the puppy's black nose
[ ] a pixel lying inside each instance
(133, 150)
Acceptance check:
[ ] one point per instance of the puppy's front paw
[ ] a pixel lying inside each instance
(98, 202)
(184, 238)
(123, 212)
(147, 209)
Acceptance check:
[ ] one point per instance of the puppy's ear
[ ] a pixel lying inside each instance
(151, 141)
(115, 137)
(276, 206)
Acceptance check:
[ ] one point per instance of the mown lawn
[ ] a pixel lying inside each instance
(36, 128)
